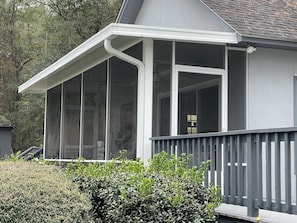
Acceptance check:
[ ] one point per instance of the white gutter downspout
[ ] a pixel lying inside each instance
(140, 96)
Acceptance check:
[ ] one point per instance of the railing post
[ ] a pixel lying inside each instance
(252, 209)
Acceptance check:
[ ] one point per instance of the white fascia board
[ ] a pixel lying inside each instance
(68, 58)
(128, 30)
(173, 34)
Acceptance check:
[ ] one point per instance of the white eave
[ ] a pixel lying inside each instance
(92, 52)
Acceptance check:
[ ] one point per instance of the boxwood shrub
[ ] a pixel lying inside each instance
(30, 192)
(165, 190)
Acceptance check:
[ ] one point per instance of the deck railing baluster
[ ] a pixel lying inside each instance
(232, 171)
(199, 151)
(205, 149)
(240, 174)
(253, 211)
(287, 173)
(277, 173)
(271, 157)
(218, 163)
(226, 170)
(212, 159)
(259, 170)
(268, 172)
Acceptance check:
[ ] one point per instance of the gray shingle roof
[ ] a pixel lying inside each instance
(269, 19)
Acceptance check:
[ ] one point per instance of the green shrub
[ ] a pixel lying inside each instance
(167, 190)
(30, 192)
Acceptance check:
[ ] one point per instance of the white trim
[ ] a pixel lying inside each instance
(107, 111)
(148, 55)
(173, 34)
(200, 86)
(247, 97)
(224, 103)
(124, 30)
(197, 69)
(174, 96)
(121, 11)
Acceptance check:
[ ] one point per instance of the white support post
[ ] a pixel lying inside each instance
(225, 95)
(148, 96)
(174, 96)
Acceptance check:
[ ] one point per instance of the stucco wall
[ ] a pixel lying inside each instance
(270, 89)
(193, 15)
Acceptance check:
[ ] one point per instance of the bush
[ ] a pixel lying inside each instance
(30, 192)
(167, 190)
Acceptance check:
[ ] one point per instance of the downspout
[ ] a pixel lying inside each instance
(140, 92)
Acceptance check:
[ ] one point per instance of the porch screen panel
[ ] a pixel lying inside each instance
(161, 91)
(94, 113)
(236, 90)
(72, 95)
(53, 118)
(123, 105)
(202, 55)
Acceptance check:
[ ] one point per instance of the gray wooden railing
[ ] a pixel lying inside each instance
(254, 168)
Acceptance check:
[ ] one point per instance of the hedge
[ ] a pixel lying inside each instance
(166, 190)
(30, 192)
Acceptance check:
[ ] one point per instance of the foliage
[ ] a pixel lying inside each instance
(167, 190)
(40, 193)
(34, 34)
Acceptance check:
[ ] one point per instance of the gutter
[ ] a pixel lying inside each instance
(140, 91)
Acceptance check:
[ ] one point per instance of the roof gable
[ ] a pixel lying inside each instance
(268, 19)
(261, 19)
(172, 14)
(129, 11)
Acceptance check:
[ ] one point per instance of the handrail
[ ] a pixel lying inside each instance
(254, 168)
(235, 132)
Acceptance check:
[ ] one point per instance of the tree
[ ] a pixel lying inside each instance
(21, 45)
(35, 33)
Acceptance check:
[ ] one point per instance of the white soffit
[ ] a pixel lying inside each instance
(92, 52)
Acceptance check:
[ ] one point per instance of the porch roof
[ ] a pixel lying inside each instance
(92, 52)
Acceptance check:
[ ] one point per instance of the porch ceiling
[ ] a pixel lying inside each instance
(92, 52)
